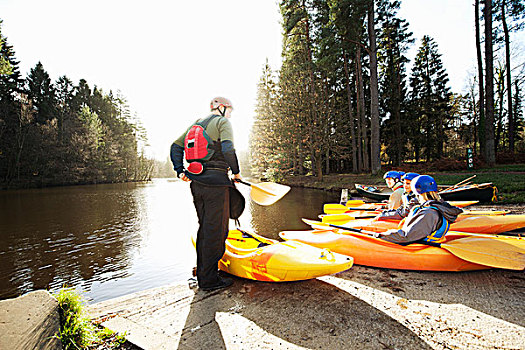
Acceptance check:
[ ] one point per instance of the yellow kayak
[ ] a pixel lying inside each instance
(251, 256)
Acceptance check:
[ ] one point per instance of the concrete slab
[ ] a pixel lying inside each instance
(30, 322)
(140, 335)
(362, 308)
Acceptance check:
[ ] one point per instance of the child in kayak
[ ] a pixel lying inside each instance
(429, 221)
(408, 198)
(393, 181)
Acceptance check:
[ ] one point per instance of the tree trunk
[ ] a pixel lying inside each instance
(361, 112)
(481, 124)
(350, 115)
(475, 119)
(399, 141)
(359, 139)
(500, 86)
(490, 155)
(509, 83)
(316, 161)
(375, 143)
(327, 161)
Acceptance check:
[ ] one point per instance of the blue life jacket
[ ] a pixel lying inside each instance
(438, 235)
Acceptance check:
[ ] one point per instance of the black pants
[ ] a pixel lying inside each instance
(213, 210)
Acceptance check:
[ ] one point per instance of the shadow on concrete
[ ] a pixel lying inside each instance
(311, 314)
(499, 293)
(201, 330)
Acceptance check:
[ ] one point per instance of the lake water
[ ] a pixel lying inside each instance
(115, 239)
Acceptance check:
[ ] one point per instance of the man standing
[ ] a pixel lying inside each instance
(210, 185)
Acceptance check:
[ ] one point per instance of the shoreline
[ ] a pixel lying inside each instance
(362, 307)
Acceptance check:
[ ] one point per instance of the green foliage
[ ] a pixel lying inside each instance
(54, 133)
(429, 116)
(318, 113)
(5, 66)
(394, 40)
(76, 329)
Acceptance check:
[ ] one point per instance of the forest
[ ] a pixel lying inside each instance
(61, 133)
(343, 100)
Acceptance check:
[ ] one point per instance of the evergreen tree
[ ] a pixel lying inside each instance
(12, 123)
(429, 98)
(41, 91)
(511, 14)
(490, 150)
(348, 20)
(264, 159)
(64, 91)
(394, 41)
(5, 66)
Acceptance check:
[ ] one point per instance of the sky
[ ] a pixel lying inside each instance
(170, 58)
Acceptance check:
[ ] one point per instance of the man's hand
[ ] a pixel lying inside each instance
(183, 177)
(237, 177)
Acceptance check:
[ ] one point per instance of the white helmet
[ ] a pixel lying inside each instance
(220, 101)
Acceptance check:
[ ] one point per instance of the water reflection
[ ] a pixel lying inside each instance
(286, 214)
(69, 235)
(111, 240)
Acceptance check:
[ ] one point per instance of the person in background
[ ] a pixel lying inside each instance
(210, 185)
(393, 181)
(427, 222)
(408, 198)
(408, 194)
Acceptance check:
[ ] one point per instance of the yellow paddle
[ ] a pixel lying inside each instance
(479, 250)
(336, 219)
(266, 193)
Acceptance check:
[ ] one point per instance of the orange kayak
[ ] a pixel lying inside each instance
(370, 251)
(492, 224)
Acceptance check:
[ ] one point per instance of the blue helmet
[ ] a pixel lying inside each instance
(409, 176)
(392, 174)
(423, 184)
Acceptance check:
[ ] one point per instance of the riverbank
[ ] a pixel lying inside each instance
(509, 180)
(365, 308)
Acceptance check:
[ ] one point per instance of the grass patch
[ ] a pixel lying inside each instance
(511, 186)
(508, 178)
(76, 329)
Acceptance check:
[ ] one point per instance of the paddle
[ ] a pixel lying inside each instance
(249, 235)
(266, 193)
(459, 183)
(354, 202)
(485, 212)
(483, 251)
(341, 219)
(339, 208)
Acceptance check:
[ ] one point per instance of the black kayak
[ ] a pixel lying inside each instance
(483, 192)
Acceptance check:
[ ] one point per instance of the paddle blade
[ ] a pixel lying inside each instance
(318, 225)
(462, 204)
(337, 219)
(334, 208)
(488, 252)
(354, 202)
(267, 193)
